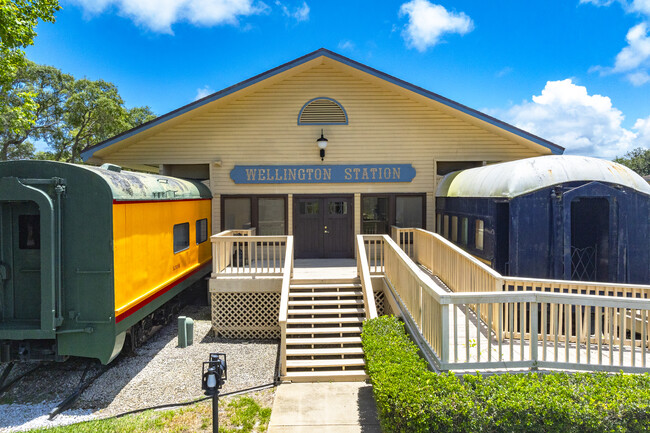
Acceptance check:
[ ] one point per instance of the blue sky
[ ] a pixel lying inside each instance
(576, 72)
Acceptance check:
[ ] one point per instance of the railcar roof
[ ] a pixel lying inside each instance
(130, 185)
(515, 178)
(124, 185)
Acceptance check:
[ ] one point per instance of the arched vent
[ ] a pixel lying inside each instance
(322, 111)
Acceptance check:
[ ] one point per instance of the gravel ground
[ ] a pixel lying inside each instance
(158, 373)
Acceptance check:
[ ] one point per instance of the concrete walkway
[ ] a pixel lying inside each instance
(337, 407)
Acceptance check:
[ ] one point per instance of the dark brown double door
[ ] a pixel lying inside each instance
(323, 226)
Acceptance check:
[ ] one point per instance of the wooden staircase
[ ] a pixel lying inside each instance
(323, 339)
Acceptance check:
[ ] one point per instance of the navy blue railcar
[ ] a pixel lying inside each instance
(557, 217)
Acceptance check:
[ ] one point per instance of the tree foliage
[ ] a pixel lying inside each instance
(69, 114)
(638, 160)
(18, 18)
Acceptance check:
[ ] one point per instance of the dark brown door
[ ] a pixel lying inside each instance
(323, 226)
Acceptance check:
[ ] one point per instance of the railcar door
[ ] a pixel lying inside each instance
(21, 256)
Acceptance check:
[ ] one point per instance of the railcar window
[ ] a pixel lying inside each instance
(479, 235)
(201, 230)
(29, 232)
(454, 229)
(181, 237)
(446, 226)
(465, 229)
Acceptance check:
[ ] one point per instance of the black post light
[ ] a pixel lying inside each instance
(322, 144)
(213, 378)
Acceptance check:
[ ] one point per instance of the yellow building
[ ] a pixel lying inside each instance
(382, 146)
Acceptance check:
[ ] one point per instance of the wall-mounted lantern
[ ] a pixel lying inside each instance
(322, 144)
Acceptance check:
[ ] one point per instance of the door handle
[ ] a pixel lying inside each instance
(325, 230)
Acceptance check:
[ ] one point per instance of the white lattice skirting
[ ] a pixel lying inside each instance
(248, 315)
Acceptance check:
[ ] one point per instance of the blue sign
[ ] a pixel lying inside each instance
(369, 173)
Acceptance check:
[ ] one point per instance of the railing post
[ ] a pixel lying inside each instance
(533, 331)
(444, 329)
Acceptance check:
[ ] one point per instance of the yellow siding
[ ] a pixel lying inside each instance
(387, 124)
(145, 263)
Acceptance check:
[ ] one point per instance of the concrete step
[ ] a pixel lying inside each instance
(326, 340)
(317, 311)
(326, 376)
(328, 330)
(345, 293)
(326, 351)
(323, 320)
(326, 302)
(316, 363)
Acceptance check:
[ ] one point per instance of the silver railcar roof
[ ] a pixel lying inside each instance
(515, 178)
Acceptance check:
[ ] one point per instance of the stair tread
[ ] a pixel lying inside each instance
(328, 330)
(324, 294)
(330, 376)
(321, 320)
(326, 351)
(327, 302)
(326, 286)
(326, 311)
(323, 340)
(311, 363)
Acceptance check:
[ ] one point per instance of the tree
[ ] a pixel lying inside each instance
(18, 18)
(49, 87)
(93, 112)
(69, 114)
(637, 159)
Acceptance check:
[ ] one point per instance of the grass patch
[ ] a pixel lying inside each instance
(243, 414)
(410, 398)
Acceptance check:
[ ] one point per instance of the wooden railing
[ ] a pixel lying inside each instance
(240, 254)
(492, 321)
(363, 270)
(404, 238)
(420, 295)
(287, 272)
(374, 249)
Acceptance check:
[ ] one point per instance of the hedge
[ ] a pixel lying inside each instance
(411, 398)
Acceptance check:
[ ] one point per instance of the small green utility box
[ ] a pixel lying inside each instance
(185, 331)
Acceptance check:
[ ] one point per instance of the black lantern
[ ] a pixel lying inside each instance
(322, 144)
(215, 373)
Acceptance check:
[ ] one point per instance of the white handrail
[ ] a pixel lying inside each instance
(366, 283)
(284, 303)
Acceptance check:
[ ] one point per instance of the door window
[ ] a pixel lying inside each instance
(29, 232)
(309, 207)
(338, 208)
(237, 213)
(270, 216)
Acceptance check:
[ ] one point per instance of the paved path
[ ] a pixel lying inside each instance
(339, 407)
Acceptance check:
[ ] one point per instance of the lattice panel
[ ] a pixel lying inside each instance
(380, 303)
(246, 315)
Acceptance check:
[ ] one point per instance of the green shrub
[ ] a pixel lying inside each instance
(410, 398)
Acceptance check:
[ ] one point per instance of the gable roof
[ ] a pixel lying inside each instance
(554, 148)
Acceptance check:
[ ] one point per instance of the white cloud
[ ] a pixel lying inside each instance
(637, 53)
(643, 128)
(159, 15)
(203, 92)
(641, 6)
(503, 72)
(300, 13)
(346, 45)
(428, 22)
(584, 124)
(634, 59)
